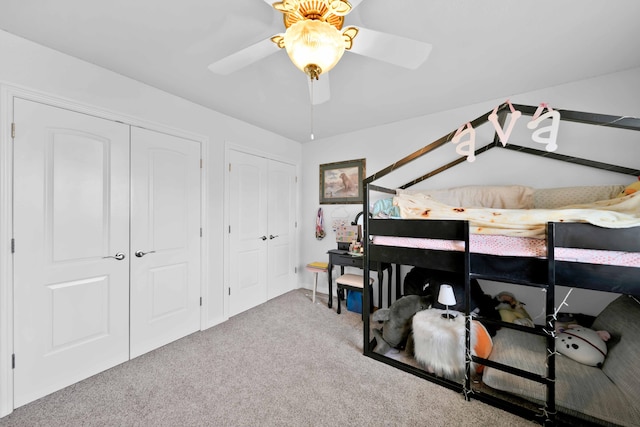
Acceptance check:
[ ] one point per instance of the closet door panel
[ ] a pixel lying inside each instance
(282, 220)
(248, 231)
(74, 159)
(165, 239)
(71, 203)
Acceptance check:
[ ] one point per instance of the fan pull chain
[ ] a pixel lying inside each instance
(311, 109)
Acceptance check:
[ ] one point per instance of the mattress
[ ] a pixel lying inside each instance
(514, 246)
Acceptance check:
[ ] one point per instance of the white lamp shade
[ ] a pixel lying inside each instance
(446, 296)
(314, 42)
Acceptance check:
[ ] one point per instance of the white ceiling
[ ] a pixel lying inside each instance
(482, 50)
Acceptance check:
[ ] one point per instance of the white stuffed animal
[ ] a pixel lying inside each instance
(583, 345)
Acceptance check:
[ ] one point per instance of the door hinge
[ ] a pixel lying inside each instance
(200, 231)
(295, 224)
(200, 163)
(13, 361)
(13, 130)
(229, 167)
(13, 246)
(229, 229)
(229, 290)
(200, 301)
(295, 270)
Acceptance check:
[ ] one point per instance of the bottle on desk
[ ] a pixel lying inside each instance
(355, 247)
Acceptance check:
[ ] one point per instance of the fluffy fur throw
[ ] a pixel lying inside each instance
(439, 344)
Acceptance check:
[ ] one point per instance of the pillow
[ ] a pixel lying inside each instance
(482, 196)
(621, 318)
(483, 343)
(550, 198)
(583, 345)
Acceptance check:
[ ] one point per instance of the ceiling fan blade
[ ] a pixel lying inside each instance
(396, 50)
(244, 57)
(319, 90)
(354, 3)
(229, 25)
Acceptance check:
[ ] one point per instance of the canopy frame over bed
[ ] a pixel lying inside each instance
(542, 273)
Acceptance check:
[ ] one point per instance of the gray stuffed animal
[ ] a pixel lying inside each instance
(397, 321)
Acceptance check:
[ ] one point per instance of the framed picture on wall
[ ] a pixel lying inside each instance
(341, 182)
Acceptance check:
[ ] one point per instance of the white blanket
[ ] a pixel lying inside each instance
(620, 212)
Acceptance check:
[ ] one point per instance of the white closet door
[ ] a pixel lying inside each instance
(282, 228)
(71, 217)
(248, 231)
(165, 239)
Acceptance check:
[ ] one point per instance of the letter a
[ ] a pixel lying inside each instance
(470, 144)
(552, 129)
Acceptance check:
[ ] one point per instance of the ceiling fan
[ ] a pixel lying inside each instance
(315, 41)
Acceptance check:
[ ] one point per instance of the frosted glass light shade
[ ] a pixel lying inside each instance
(313, 42)
(446, 296)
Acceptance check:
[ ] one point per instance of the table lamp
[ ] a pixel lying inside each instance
(447, 298)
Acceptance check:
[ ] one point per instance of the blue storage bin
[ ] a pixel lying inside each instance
(354, 301)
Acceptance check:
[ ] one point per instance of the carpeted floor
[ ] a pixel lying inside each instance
(287, 362)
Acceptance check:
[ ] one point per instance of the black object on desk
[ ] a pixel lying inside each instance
(344, 259)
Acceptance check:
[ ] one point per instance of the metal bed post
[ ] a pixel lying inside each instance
(467, 313)
(366, 303)
(550, 406)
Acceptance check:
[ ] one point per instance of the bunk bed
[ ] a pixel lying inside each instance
(542, 272)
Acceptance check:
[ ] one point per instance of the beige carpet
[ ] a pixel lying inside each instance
(288, 362)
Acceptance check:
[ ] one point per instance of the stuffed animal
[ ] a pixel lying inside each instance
(583, 345)
(511, 310)
(396, 320)
(631, 188)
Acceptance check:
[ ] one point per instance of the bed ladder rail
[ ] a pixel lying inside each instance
(511, 370)
(536, 330)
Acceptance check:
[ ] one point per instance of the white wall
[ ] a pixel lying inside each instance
(31, 66)
(615, 94)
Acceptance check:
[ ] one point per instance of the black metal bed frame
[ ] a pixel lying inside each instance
(543, 273)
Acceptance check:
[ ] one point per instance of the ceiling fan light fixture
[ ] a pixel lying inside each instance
(314, 46)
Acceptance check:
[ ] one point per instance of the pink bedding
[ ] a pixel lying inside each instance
(514, 246)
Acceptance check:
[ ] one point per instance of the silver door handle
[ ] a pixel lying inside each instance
(119, 256)
(262, 238)
(140, 254)
(271, 236)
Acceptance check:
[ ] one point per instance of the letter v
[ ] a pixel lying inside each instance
(493, 118)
